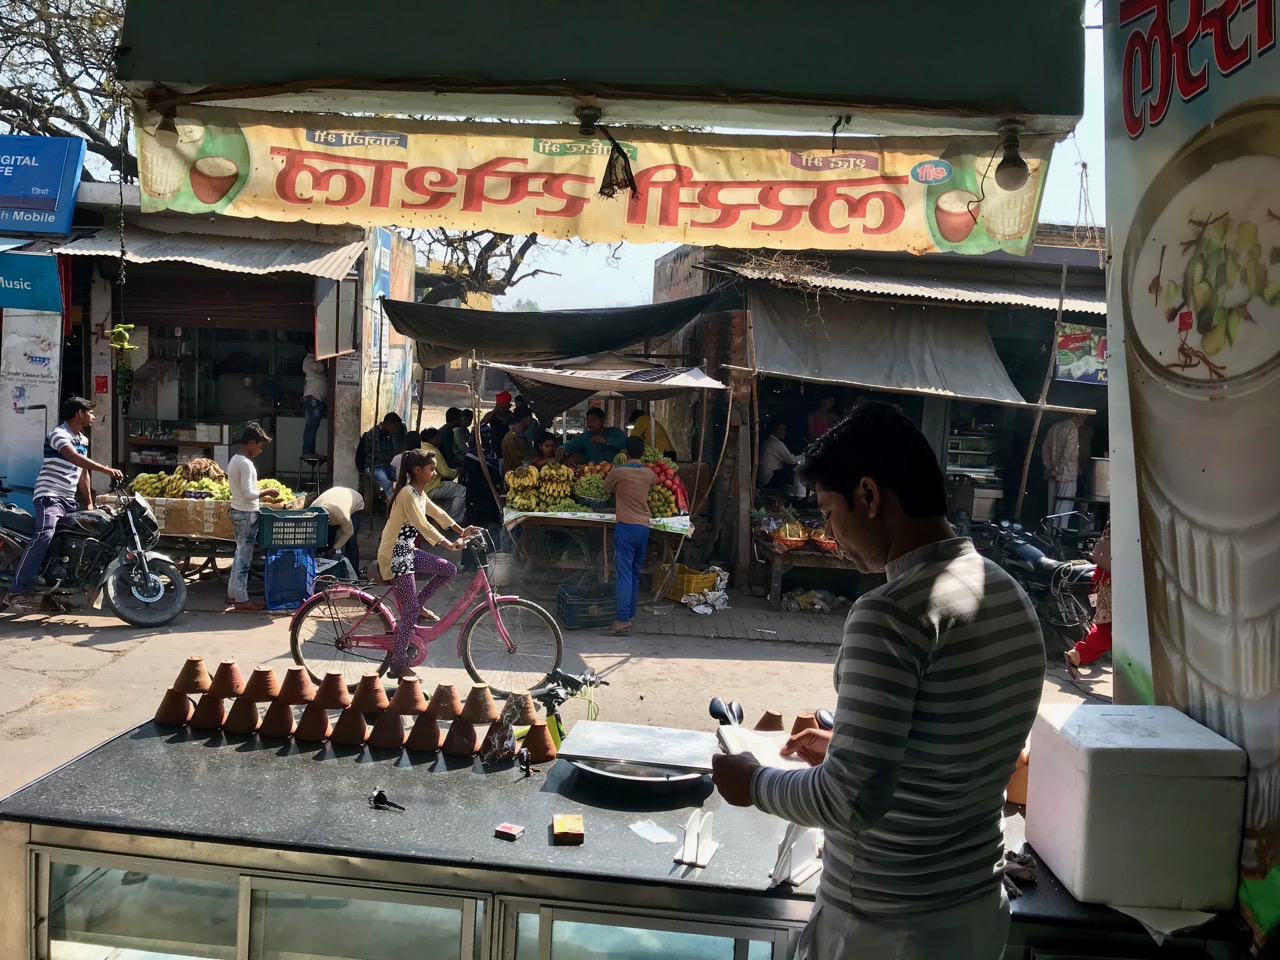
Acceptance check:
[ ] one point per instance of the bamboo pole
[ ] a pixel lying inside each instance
(1044, 395)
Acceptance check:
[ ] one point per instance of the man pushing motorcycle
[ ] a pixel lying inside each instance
(63, 475)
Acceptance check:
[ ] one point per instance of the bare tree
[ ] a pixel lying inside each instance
(57, 74)
(474, 261)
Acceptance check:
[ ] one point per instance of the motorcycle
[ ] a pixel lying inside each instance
(1060, 590)
(103, 553)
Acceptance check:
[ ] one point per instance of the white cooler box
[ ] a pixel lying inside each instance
(1136, 806)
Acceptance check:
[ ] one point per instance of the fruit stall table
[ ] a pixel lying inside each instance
(552, 549)
(780, 563)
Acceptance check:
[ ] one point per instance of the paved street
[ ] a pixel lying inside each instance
(69, 682)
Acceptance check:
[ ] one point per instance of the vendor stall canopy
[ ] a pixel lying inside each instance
(551, 391)
(444, 334)
(942, 68)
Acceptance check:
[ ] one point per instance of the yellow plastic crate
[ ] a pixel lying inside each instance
(687, 580)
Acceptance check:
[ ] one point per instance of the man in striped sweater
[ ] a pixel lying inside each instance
(938, 681)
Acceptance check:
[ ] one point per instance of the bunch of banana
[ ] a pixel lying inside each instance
(159, 485)
(525, 478)
(555, 482)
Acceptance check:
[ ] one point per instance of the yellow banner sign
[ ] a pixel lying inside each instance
(789, 193)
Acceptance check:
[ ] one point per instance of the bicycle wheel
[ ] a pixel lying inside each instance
(320, 637)
(536, 646)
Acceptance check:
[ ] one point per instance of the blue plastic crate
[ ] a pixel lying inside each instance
(290, 576)
(590, 605)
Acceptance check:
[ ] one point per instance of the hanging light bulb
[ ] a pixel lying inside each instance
(1012, 171)
(167, 131)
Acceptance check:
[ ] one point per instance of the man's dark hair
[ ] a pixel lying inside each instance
(635, 447)
(393, 418)
(253, 431)
(634, 416)
(412, 440)
(594, 412)
(878, 441)
(428, 435)
(73, 405)
(453, 413)
(520, 413)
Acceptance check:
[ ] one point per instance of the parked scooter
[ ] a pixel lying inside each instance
(1060, 590)
(103, 553)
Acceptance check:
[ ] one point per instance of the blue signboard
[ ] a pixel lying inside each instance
(29, 281)
(39, 179)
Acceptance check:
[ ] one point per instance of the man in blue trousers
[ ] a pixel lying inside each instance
(630, 483)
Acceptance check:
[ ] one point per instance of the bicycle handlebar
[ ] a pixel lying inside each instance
(561, 685)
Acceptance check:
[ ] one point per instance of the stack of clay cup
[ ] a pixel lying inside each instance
(427, 736)
(443, 724)
(369, 701)
(229, 685)
(466, 731)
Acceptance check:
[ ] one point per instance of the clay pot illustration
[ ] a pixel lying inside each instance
(499, 742)
(444, 703)
(480, 708)
(243, 718)
(804, 721)
(463, 739)
(262, 685)
(539, 743)
(408, 700)
(525, 711)
(369, 696)
(769, 720)
(212, 178)
(279, 722)
(350, 730)
(332, 693)
(314, 726)
(956, 214)
(296, 688)
(175, 709)
(228, 681)
(210, 713)
(388, 731)
(426, 735)
(193, 677)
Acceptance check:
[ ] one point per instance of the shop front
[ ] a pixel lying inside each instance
(221, 326)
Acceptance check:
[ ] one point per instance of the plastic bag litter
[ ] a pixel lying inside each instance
(706, 602)
(722, 577)
(812, 601)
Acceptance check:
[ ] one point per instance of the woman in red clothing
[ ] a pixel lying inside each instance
(1098, 640)
(822, 419)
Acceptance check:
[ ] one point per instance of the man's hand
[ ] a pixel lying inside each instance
(472, 531)
(732, 777)
(454, 545)
(113, 473)
(270, 495)
(809, 745)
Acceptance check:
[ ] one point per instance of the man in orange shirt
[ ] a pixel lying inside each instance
(630, 484)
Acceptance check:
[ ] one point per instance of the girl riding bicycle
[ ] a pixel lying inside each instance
(411, 515)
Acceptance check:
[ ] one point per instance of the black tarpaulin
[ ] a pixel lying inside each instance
(445, 333)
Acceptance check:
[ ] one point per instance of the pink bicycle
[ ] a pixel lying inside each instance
(505, 641)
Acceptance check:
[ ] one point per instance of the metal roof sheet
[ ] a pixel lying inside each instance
(233, 254)
(963, 291)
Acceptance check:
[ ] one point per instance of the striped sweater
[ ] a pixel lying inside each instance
(938, 681)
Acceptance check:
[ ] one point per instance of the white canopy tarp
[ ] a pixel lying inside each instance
(552, 391)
